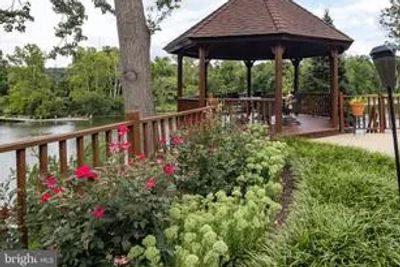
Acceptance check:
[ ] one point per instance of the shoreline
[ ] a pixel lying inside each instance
(20, 119)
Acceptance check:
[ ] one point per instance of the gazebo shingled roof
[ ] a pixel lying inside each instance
(242, 29)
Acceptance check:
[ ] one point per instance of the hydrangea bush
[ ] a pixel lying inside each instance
(215, 230)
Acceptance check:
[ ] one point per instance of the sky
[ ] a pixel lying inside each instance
(357, 18)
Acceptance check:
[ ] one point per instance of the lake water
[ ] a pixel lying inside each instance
(13, 132)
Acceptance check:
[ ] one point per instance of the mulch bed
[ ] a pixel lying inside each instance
(286, 199)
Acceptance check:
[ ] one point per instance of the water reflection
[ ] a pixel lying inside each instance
(13, 132)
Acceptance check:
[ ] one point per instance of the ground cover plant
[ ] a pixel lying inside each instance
(346, 211)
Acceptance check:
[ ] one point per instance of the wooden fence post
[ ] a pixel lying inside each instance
(134, 132)
(341, 112)
(382, 115)
(21, 197)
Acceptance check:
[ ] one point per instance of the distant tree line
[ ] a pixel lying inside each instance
(90, 85)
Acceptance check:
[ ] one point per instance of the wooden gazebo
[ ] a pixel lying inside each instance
(251, 30)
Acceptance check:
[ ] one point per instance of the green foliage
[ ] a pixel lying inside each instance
(93, 79)
(83, 239)
(358, 101)
(14, 18)
(98, 71)
(30, 87)
(164, 81)
(90, 85)
(227, 77)
(362, 76)
(345, 213)
(390, 19)
(213, 152)
(218, 229)
(236, 157)
(148, 219)
(74, 15)
(264, 160)
(3, 75)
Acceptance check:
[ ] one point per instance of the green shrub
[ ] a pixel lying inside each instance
(215, 230)
(211, 159)
(93, 217)
(265, 159)
(225, 156)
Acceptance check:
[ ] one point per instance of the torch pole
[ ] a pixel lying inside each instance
(394, 132)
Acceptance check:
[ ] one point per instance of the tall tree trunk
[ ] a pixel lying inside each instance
(134, 42)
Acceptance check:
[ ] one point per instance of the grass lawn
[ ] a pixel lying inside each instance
(345, 213)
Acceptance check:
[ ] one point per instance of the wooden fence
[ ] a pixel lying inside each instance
(376, 115)
(144, 135)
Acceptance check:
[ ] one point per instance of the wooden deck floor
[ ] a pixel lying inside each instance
(310, 126)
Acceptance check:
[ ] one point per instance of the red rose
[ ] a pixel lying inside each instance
(58, 190)
(46, 197)
(125, 146)
(160, 159)
(98, 213)
(85, 172)
(113, 147)
(51, 182)
(177, 140)
(141, 157)
(122, 130)
(163, 140)
(131, 162)
(169, 169)
(151, 183)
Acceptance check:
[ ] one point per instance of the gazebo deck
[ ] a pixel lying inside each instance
(310, 126)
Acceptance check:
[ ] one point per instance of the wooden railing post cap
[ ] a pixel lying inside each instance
(133, 115)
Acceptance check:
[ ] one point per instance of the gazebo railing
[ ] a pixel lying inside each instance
(248, 110)
(315, 104)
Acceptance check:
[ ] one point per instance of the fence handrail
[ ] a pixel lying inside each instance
(247, 99)
(46, 139)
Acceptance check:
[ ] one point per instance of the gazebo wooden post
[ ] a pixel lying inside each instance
(334, 79)
(278, 52)
(296, 82)
(202, 76)
(249, 65)
(180, 76)
(207, 65)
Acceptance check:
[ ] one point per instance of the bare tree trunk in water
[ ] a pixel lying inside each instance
(134, 42)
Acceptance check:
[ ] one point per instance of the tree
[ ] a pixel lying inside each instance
(93, 80)
(30, 87)
(164, 82)
(390, 19)
(134, 31)
(226, 77)
(362, 76)
(317, 71)
(3, 75)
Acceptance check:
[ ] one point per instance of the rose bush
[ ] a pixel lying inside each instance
(97, 215)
